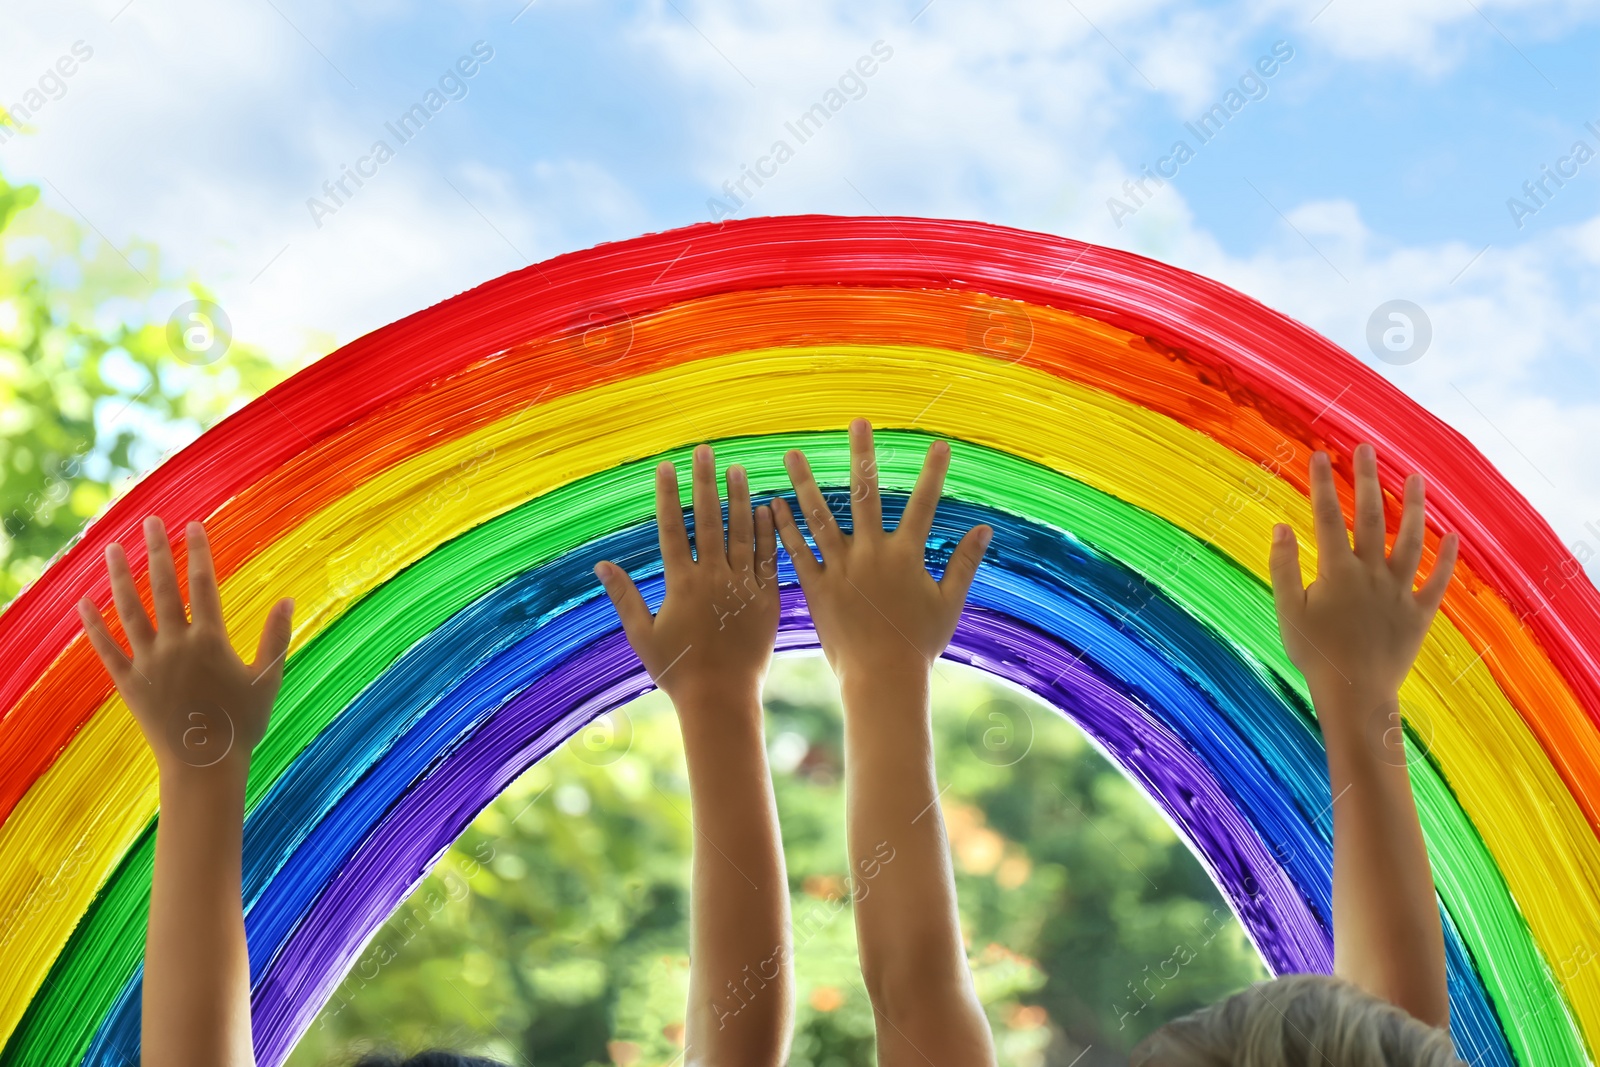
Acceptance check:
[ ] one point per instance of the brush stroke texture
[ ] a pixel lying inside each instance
(1120, 627)
(1166, 341)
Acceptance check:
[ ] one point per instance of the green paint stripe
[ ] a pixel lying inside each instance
(330, 670)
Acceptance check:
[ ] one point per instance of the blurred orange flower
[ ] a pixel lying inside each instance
(1014, 871)
(825, 886)
(826, 998)
(980, 850)
(1026, 1017)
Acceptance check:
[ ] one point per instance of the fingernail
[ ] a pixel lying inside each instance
(985, 535)
(666, 467)
(736, 474)
(1280, 534)
(602, 571)
(702, 454)
(941, 448)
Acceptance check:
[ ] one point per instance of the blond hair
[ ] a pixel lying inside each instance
(1301, 1020)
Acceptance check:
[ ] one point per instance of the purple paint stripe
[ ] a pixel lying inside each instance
(1274, 912)
(415, 833)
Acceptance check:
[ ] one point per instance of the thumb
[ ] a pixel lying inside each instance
(1288, 590)
(274, 644)
(626, 598)
(963, 565)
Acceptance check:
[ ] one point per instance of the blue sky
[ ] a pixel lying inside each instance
(1377, 165)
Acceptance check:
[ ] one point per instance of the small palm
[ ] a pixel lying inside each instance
(195, 700)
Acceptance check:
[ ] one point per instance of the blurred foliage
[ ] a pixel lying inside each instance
(91, 392)
(555, 932)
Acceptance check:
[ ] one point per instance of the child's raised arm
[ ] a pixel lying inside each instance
(883, 620)
(1354, 634)
(708, 648)
(202, 709)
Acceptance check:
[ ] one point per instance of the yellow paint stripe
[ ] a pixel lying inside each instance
(99, 793)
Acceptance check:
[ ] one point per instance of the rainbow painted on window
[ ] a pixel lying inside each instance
(434, 495)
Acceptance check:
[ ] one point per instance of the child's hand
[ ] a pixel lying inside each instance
(883, 620)
(708, 649)
(195, 700)
(1354, 634)
(876, 607)
(199, 705)
(1357, 629)
(714, 633)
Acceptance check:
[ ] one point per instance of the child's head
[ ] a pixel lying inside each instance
(1301, 1020)
(431, 1058)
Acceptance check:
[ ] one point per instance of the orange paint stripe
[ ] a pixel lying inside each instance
(1083, 350)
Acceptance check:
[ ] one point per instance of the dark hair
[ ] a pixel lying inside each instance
(431, 1058)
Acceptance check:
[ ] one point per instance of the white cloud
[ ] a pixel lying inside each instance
(1434, 36)
(1493, 323)
(205, 129)
(970, 121)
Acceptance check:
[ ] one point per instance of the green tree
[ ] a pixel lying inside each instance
(92, 389)
(555, 931)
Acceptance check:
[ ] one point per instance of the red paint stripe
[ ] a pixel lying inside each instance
(1288, 373)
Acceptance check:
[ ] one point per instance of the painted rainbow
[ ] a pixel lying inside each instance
(434, 495)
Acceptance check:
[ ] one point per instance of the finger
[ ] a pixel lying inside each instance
(924, 502)
(963, 565)
(1431, 595)
(1370, 529)
(819, 517)
(273, 647)
(794, 542)
(125, 595)
(626, 598)
(708, 532)
(163, 577)
(117, 662)
(741, 524)
(866, 506)
(766, 546)
(205, 601)
(670, 532)
(1288, 588)
(1332, 537)
(1407, 553)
